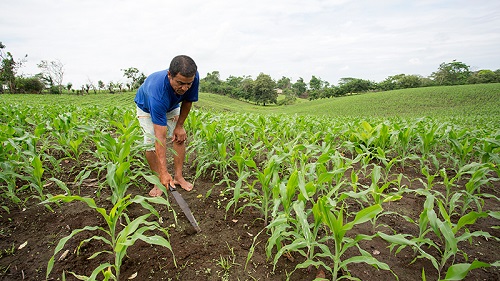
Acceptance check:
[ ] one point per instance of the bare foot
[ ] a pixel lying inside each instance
(155, 192)
(184, 184)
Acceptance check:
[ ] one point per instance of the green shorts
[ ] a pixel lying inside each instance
(148, 128)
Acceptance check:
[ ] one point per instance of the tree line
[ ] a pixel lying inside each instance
(261, 90)
(51, 76)
(264, 89)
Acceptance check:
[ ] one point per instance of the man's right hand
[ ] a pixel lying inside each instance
(167, 180)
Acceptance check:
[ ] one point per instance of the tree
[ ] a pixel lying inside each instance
(52, 73)
(299, 87)
(484, 76)
(30, 85)
(264, 90)
(355, 85)
(9, 68)
(284, 83)
(247, 86)
(316, 86)
(211, 83)
(316, 83)
(92, 86)
(453, 73)
(101, 85)
(400, 81)
(136, 77)
(111, 87)
(233, 87)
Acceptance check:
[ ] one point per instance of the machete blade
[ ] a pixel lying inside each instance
(184, 207)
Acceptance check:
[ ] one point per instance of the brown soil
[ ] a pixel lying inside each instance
(224, 236)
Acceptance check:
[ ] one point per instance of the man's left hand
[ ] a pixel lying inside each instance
(179, 135)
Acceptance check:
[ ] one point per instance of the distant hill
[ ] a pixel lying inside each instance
(442, 101)
(480, 100)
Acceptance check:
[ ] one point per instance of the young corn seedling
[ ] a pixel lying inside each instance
(117, 240)
(428, 137)
(490, 149)
(239, 190)
(379, 194)
(450, 235)
(333, 218)
(268, 178)
(35, 174)
(402, 138)
(300, 237)
(451, 197)
(462, 146)
(429, 176)
(479, 176)
(8, 186)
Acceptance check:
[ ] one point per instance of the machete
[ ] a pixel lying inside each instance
(184, 206)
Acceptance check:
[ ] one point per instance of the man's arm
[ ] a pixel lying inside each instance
(180, 135)
(161, 155)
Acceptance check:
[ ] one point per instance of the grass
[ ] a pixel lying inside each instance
(445, 101)
(122, 99)
(482, 100)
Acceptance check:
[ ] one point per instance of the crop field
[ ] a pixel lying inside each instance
(400, 185)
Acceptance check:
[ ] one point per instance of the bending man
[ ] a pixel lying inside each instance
(160, 115)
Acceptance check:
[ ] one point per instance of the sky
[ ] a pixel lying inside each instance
(330, 39)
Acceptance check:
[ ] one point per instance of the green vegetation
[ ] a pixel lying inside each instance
(313, 171)
(257, 91)
(450, 101)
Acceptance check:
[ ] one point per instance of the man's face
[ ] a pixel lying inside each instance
(180, 83)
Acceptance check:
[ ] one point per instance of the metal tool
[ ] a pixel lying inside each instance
(182, 203)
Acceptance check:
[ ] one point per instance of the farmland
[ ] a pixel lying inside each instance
(380, 186)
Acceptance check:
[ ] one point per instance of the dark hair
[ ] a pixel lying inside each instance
(184, 65)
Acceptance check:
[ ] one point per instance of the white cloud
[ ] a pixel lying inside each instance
(328, 39)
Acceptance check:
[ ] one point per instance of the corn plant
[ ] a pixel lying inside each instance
(379, 192)
(451, 196)
(402, 139)
(490, 149)
(449, 233)
(368, 137)
(430, 177)
(302, 238)
(211, 146)
(462, 145)
(330, 169)
(117, 240)
(427, 136)
(239, 191)
(8, 178)
(479, 176)
(268, 178)
(338, 226)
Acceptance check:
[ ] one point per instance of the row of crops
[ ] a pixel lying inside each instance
(312, 180)
(304, 176)
(103, 142)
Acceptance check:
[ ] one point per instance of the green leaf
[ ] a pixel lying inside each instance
(98, 270)
(459, 271)
(364, 259)
(469, 218)
(364, 215)
(62, 243)
(38, 169)
(495, 215)
(398, 239)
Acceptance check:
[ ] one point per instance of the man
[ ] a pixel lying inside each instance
(159, 114)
